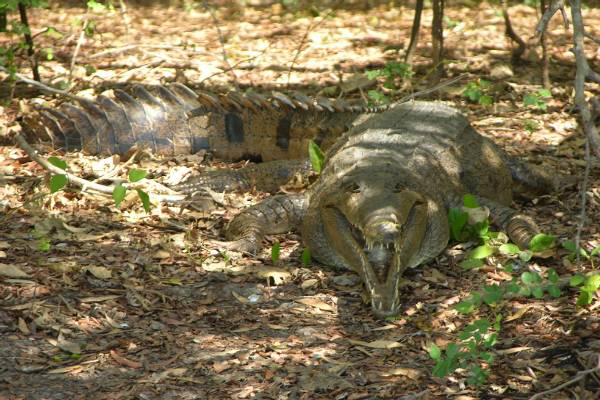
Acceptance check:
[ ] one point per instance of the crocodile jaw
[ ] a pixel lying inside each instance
(355, 241)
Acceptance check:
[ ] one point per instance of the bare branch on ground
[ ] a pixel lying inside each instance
(222, 41)
(308, 30)
(84, 183)
(580, 375)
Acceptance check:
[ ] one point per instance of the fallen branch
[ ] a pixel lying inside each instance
(303, 40)
(222, 41)
(84, 183)
(579, 376)
(46, 88)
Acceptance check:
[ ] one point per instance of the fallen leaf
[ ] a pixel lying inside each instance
(124, 361)
(518, 314)
(309, 283)
(276, 276)
(377, 344)
(408, 372)
(239, 297)
(12, 271)
(313, 302)
(98, 299)
(23, 326)
(221, 366)
(99, 272)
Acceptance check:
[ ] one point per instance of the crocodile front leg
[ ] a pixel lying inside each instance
(519, 228)
(267, 177)
(276, 214)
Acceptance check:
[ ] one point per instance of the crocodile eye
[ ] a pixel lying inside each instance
(353, 188)
(398, 188)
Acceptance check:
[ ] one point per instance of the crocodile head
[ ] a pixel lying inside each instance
(379, 226)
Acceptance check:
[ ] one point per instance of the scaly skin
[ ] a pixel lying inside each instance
(380, 204)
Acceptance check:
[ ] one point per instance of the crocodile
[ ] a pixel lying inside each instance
(381, 202)
(174, 119)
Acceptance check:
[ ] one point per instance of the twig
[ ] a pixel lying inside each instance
(78, 46)
(592, 38)
(47, 88)
(222, 41)
(303, 40)
(583, 194)
(84, 183)
(433, 89)
(29, 41)
(237, 64)
(437, 38)
(579, 376)
(549, 13)
(125, 16)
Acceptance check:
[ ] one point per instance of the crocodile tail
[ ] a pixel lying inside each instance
(155, 118)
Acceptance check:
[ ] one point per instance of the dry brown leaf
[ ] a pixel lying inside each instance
(314, 302)
(377, 344)
(221, 366)
(239, 297)
(309, 283)
(279, 276)
(408, 372)
(124, 361)
(23, 326)
(99, 272)
(98, 299)
(12, 271)
(518, 314)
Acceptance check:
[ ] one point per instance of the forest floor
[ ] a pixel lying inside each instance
(98, 302)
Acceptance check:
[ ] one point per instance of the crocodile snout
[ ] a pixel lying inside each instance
(383, 231)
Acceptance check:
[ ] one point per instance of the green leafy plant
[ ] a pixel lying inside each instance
(588, 286)
(57, 181)
(530, 125)
(479, 92)
(471, 353)
(537, 99)
(275, 252)
(317, 158)
(119, 191)
(393, 73)
(305, 257)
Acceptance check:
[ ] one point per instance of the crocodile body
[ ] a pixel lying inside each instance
(381, 202)
(176, 120)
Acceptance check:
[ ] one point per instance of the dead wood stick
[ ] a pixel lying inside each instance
(222, 41)
(47, 88)
(78, 47)
(33, 154)
(579, 376)
(437, 87)
(305, 36)
(592, 38)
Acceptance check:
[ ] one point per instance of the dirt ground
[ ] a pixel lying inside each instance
(114, 303)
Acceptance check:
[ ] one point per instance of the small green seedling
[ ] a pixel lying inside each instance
(479, 92)
(275, 252)
(316, 155)
(537, 99)
(588, 286)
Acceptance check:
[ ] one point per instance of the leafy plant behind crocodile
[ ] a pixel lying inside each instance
(380, 204)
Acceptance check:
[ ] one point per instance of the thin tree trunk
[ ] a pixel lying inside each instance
(510, 32)
(437, 38)
(414, 33)
(545, 56)
(29, 41)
